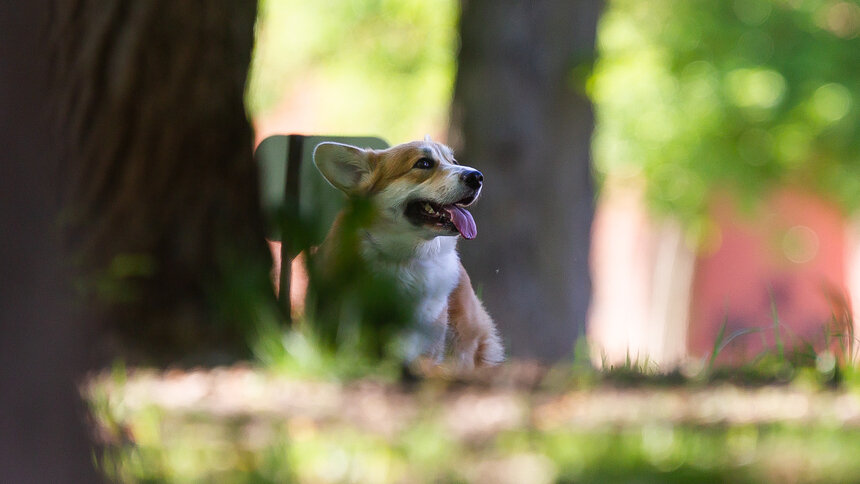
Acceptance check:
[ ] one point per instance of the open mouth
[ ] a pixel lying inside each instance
(454, 218)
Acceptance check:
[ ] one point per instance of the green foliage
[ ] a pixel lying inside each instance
(351, 306)
(383, 67)
(697, 95)
(357, 320)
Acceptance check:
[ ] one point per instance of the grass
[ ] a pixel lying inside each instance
(188, 448)
(787, 415)
(249, 425)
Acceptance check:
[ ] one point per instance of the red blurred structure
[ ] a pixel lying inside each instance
(786, 257)
(789, 259)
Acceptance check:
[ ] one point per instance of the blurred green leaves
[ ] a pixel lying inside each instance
(357, 319)
(384, 67)
(354, 307)
(695, 95)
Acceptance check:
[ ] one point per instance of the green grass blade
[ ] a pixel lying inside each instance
(780, 348)
(717, 344)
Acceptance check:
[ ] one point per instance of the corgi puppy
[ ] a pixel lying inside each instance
(419, 196)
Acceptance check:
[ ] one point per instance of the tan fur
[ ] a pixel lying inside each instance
(396, 163)
(476, 342)
(298, 279)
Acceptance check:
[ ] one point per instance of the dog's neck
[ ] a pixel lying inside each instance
(398, 248)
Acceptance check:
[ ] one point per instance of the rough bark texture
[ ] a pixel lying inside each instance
(162, 213)
(520, 117)
(42, 349)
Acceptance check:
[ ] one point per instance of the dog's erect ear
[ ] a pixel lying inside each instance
(343, 166)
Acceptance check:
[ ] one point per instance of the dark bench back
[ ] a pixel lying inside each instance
(289, 181)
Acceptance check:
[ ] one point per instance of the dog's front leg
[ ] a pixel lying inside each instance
(426, 343)
(476, 341)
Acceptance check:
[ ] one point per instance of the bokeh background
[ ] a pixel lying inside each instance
(354, 68)
(725, 156)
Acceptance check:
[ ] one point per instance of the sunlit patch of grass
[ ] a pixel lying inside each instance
(635, 435)
(578, 424)
(311, 415)
(296, 353)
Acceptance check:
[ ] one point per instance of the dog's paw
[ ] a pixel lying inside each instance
(481, 352)
(427, 367)
(489, 351)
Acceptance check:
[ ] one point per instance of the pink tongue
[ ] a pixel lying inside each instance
(463, 221)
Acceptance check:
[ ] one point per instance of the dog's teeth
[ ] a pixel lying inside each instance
(428, 208)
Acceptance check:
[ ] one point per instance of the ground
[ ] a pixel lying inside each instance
(518, 423)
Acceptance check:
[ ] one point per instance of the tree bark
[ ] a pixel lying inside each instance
(520, 116)
(42, 350)
(162, 205)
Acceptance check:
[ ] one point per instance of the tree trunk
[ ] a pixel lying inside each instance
(163, 213)
(521, 117)
(42, 350)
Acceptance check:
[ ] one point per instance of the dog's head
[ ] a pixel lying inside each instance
(416, 187)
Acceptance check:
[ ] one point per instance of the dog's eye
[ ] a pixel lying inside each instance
(424, 164)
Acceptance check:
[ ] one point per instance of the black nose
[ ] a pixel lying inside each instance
(472, 179)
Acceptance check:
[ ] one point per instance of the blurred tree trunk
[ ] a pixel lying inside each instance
(162, 206)
(520, 115)
(42, 349)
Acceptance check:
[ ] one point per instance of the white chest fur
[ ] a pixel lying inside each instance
(429, 270)
(432, 274)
